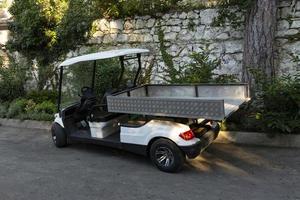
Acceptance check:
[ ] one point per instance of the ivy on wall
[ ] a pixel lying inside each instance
(228, 15)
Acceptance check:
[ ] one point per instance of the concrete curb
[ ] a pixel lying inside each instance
(26, 124)
(225, 137)
(260, 139)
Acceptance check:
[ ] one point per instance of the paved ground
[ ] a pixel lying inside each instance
(32, 168)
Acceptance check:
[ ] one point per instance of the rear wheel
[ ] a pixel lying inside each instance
(166, 155)
(59, 137)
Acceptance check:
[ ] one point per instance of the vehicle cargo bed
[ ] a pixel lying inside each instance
(207, 101)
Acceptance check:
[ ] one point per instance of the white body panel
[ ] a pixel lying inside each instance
(58, 120)
(103, 129)
(156, 128)
(139, 135)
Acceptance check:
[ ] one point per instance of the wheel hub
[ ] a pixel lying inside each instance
(164, 156)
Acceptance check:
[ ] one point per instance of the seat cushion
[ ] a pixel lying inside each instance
(103, 116)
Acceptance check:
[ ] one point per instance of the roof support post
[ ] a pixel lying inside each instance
(94, 74)
(121, 58)
(59, 88)
(139, 69)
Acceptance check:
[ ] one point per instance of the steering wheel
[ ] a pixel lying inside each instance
(84, 90)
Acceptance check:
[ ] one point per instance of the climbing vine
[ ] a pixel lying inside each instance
(227, 12)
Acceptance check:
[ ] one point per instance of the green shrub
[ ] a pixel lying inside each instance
(28, 109)
(12, 80)
(275, 109)
(36, 116)
(200, 70)
(41, 96)
(16, 107)
(281, 100)
(46, 107)
(3, 109)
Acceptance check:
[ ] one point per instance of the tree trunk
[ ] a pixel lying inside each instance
(259, 40)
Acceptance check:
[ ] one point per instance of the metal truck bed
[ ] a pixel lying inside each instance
(207, 101)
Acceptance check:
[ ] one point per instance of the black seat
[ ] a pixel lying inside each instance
(87, 102)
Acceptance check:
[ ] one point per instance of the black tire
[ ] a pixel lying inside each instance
(166, 155)
(59, 137)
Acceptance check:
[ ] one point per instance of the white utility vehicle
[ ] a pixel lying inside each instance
(165, 122)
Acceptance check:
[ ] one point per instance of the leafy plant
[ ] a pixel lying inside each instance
(12, 80)
(200, 70)
(227, 14)
(42, 96)
(3, 109)
(45, 107)
(276, 108)
(16, 107)
(36, 116)
(47, 30)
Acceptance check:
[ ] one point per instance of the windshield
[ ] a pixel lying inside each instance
(107, 78)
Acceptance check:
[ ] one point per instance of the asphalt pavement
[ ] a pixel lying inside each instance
(32, 168)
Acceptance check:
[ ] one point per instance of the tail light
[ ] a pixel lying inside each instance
(188, 135)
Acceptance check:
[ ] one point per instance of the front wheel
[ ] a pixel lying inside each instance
(59, 137)
(166, 155)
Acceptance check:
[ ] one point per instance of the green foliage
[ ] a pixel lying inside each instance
(173, 75)
(3, 109)
(42, 96)
(45, 30)
(28, 109)
(12, 80)
(124, 8)
(45, 107)
(276, 108)
(146, 75)
(36, 116)
(281, 100)
(226, 14)
(16, 107)
(201, 69)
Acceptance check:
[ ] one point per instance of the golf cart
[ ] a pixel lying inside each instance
(165, 122)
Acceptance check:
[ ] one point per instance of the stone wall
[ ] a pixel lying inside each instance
(185, 32)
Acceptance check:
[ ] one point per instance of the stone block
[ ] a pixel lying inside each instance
(296, 24)
(222, 36)
(286, 12)
(107, 39)
(207, 16)
(183, 15)
(285, 33)
(150, 23)
(128, 25)
(173, 22)
(166, 16)
(234, 46)
(298, 5)
(192, 15)
(116, 24)
(170, 36)
(122, 38)
(293, 47)
(139, 24)
(283, 25)
(148, 38)
(175, 29)
(104, 25)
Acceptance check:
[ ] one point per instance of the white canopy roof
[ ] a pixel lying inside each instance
(102, 55)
